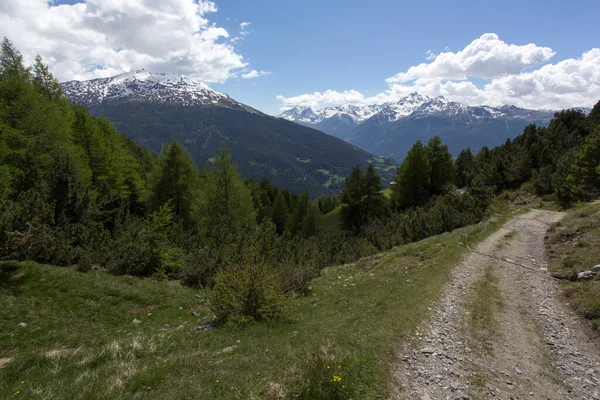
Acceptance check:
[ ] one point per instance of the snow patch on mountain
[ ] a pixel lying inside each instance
(413, 106)
(307, 115)
(143, 86)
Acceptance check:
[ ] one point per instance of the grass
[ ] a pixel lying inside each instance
(486, 300)
(574, 246)
(330, 222)
(80, 341)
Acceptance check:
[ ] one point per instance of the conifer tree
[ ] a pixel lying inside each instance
(11, 61)
(44, 80)
(374, 202)
(174, 182)
(412, 182)
(225, 205)
(280, 213)
(465, 168)
(352, 196)
(442, 170)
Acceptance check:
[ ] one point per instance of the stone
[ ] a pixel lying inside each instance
(596, 268)
(227, 349)
(427, 350)
(585, 275)
(136, 322)
(203, 328)
(409, 281)
(22, 325)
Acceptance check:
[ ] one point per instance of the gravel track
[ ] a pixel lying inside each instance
(536, 347)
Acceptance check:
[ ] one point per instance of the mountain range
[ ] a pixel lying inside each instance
(391, 129)
(154, 109)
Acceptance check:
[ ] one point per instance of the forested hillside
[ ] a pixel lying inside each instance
(76, 192)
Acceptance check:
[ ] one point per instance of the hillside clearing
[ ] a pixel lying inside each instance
(68, 334)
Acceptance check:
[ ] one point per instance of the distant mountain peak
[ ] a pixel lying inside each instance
(141, 85)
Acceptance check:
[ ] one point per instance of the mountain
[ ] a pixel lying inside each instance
(154, 109)
(338, 121)
(459, 126)
(394, 127)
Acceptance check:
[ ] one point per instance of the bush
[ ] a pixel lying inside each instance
(246, 292)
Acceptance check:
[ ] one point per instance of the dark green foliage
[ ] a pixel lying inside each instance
(174, 181)
(585, 173)
(413, 181)
(465, 168)
(442, 170)
(362, 199)
(280, 213)
(290, 155)
(246, 292)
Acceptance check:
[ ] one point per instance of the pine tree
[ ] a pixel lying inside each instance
(309, 222)
(352, 196)
(226, 204)
(280, 213)
(412, 182)
(442, 170)
(585, 173)
(374, 202)
(87, 136)
(465, 168)
(299, 212)
(44, 80)
(11, 61)
(174, 182)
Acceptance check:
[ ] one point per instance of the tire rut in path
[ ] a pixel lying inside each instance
(536, 347)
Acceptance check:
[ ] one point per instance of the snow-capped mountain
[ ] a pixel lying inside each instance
(357, 114)
(144, 86)
(390, 129)
(154, 109)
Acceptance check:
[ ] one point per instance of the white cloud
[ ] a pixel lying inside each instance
(104, 37)
(564, 84)
(254, 74)
(486, 57)
(318, 99)
(245, 28)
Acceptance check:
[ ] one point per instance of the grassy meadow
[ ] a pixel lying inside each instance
(69, 334)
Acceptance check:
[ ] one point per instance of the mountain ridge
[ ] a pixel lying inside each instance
(396, 126)
(154, 109)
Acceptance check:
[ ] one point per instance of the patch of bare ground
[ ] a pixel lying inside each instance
(502, 329)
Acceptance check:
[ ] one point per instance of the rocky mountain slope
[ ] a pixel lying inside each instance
(392, 128)
(154, 109)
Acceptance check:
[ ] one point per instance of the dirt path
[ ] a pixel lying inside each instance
(502, 331)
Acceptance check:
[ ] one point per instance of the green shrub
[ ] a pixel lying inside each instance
(246, 292)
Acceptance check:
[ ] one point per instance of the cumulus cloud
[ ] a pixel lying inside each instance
(254, 74)
(318, 99)
(99, 38)
(567, 83)
(485, 57)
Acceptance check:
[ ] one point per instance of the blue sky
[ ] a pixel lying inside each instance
(317, 45)
(313, 46)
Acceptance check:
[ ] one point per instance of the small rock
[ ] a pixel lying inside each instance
(136, 322)
(203, 328)
(409, 281)
(18, 276)
(22, 325)
(586, 275)
(596, 268)
(427, 350)
(226, 349)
